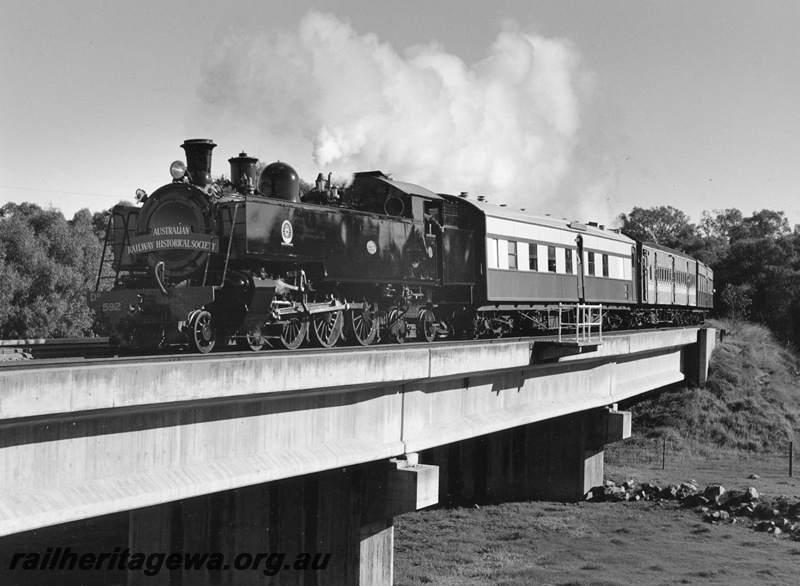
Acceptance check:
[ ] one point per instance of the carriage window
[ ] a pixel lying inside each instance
(605, 265)
(551, 259)
(568, 261)
(591, 262)
(492, 252)
(512, 255)
(533, 257)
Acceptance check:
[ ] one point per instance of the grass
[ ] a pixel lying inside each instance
(737, 425)
(584, 544)
(750, 403)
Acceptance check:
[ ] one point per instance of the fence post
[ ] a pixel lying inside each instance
(664, 454)
(791, 456)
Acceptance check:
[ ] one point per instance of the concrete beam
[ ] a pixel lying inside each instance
(83, 441)
(137, 383)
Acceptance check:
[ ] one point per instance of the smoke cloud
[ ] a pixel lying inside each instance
(507, 127)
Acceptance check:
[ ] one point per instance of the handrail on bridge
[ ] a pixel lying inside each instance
(588, 321)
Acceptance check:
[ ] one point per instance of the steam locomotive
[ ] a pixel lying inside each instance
(250, 260)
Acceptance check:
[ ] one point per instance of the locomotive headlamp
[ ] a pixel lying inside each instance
(177, 170)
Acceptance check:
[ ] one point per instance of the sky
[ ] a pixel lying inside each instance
(579, 109)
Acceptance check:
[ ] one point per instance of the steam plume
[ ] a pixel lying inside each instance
(506, 127)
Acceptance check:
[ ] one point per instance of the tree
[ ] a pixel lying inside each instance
(763, 224)
(46, 265)
(721, 223)
(736, 299)
(663, 225)
(769, 268)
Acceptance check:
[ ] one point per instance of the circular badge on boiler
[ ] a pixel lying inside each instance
(287, 232)
(372, 248)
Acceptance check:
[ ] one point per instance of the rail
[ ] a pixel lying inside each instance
(588, 321)
(53, 348)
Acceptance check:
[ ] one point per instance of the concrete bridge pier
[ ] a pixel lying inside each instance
(333, 527)
(558, 459)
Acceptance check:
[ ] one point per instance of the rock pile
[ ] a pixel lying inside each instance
(717, 505)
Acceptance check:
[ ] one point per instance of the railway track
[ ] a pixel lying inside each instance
(43, 353)
(15, 350)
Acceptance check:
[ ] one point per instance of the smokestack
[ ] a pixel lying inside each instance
(198, 159)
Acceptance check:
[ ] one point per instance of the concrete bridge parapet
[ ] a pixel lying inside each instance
(82, 441)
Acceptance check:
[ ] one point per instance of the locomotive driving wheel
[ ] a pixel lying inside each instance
(327, 327)
(362, 324)
(396, 326)
(426, 325)
(294, 333)
(253, 340)
(202, 336)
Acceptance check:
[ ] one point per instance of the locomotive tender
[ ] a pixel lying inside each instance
(251, 260)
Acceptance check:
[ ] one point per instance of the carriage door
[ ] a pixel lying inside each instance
(644, 281)
(581, 282)
(657, 272)
(672, 279)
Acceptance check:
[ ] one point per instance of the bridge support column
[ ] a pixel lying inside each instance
(334, 527)
(706, 342)
(557, 459)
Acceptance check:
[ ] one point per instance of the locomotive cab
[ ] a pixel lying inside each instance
(374, 192)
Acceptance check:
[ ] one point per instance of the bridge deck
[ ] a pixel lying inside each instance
(84, 440)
